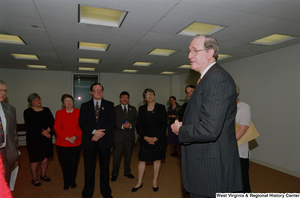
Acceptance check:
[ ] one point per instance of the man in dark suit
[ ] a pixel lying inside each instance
(210, 160)
(97, 120)
(8, 133)
(126, 117)
(189, 89)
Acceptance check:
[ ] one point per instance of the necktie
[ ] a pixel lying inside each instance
(97, 110)
(125, 112)
(1, 133)
(198, 80)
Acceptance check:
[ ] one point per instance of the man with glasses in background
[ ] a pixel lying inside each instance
(97, 121)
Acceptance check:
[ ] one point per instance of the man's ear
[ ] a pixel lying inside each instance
(211, 53)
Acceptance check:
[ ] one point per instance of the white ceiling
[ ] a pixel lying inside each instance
(149, 24)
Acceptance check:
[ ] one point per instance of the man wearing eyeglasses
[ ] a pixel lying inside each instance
(210, 160)
(8, 133)
(97, 120)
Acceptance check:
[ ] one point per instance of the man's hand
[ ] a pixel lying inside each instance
(99, 133)
(175, 127)
(126, 125)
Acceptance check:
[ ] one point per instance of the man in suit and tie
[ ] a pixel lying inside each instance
(8, 133)
(210, 160)
(189, 89)
(97, 120)
(126, 117)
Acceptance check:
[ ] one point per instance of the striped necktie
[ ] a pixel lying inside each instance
(97, 110)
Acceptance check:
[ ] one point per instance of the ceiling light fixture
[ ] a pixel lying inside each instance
(130, 70)
(92, 46)
(36, 66)
(200, 28)
(273, 39)
(88, 60)
(144, 64)
(24, 56)
(86, 69)
(223, 56)
(185, 67)
(101, 16)
(167, 72)
(11, 39)
(162, 52)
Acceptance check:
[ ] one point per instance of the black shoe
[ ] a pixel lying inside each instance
(45, 178)
(135, 189)
(36, 182)
(108, 196)
(73, 185)
(174, 154)
(155, 189)
(66, 187)
(114, 178)
(130, 176)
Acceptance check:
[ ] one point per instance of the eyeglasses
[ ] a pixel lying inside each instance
(149, 94)
(3, 91)
(194, 52)
(97, 90)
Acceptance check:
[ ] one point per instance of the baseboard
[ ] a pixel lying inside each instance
(281, 169)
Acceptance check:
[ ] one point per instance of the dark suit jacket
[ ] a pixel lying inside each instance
(11, 137)
(87, 122)
(210, 160)
(125, 134)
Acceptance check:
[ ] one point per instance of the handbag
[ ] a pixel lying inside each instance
(251, 134)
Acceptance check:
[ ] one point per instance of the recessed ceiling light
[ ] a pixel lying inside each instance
(92, 46)
(11, 39)
(36, 66)
(162, 52)
(88, 60)
(200, 28)
(130, 70)
(86, 68)
(273, 39)
(167, 72)
(144, 64)
(101, 16)
(24, 56)
(185, 66)
(223, 56)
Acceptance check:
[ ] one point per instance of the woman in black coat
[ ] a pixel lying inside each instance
(151, 126)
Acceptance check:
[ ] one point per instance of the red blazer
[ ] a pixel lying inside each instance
(66, 125)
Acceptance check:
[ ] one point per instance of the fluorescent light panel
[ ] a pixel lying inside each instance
(101, 16)
(24, 56)
(167, 72)
(273, 39)
(36, 66)
(144, 64)
(162, 52)
(200, 28)
(93, 46)
(130, 70)
(86, 69)
(11, 39)
(185, 66)
(88, 60)
(223, 56)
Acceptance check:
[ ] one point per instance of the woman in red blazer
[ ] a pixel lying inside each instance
(68, 140)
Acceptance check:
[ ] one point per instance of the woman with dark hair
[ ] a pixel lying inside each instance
(39, 123)
(68, 140)
(173, 114)
(151, 126)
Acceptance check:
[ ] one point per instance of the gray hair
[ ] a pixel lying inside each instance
(211, 43)
(2, 83)
(32, 96)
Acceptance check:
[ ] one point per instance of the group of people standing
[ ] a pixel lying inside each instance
(205, 128)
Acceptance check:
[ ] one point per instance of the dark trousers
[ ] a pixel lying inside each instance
(118, 151)
(245, 175)
(68, 158)
(90, 157)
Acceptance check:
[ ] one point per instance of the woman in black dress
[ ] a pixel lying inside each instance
(151, 126)
(39, 123)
